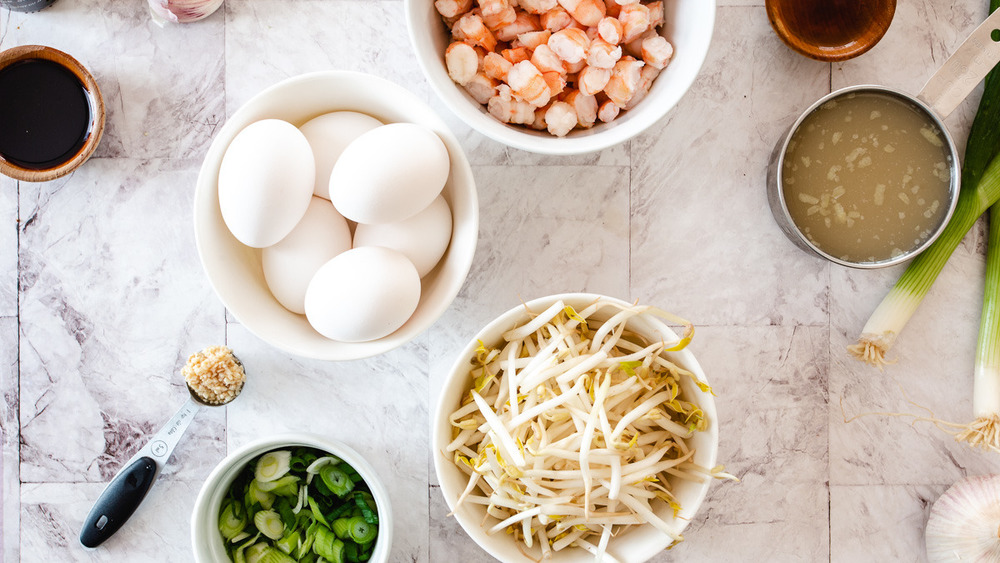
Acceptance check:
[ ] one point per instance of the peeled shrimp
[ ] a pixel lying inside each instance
(587, 12)
(608, 111)
(635, 21)
(471, 28)
(462, 62)
(537, 7)
(555, 81)
(497, 21)
(481, 88)
(560, 119)
(612, 8)
(624, 81)
(532, 39)
(523, 23)
(585, 107)
(655, 13)
(494, 66)
(516, 54)
(592, 80)
(452, 8)
(610, 30)
(546, 60)
(556, 19)
(570, 44)
(603, 54)
(656, 51)
(508, 109)
(527, 83)
(574, 68)
(646, 77)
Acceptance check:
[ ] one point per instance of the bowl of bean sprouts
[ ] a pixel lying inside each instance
(609, 448)
(560, 78)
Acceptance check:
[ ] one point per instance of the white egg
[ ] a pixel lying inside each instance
(290, 264)
(328, 135)
(363, 294)
(265, 182)
(422, 238)
(389, 174)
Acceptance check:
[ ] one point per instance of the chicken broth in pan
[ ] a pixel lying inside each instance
(866, 177)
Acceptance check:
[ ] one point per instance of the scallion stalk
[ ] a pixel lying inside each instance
(984, 432)
(903, 299)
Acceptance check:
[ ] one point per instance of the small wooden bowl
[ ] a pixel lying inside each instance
(29, 52)
(830, 30)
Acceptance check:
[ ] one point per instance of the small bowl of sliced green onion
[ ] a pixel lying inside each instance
(289, 499)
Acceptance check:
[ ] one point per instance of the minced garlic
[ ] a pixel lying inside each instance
(215, 375)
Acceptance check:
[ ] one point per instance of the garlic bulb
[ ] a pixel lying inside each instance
(964, 524)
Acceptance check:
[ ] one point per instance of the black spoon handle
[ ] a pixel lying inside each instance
(117, 503)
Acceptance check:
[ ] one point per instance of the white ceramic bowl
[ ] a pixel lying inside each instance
(634, 545)
(234, 270)
(205, 537)
(688, 26)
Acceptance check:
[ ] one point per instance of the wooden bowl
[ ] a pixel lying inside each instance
(96, 129)
(830, 30)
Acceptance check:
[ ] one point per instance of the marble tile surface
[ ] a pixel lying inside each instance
(102, 295)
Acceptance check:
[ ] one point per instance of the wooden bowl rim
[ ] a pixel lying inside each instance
(827, 53)
(28, 52)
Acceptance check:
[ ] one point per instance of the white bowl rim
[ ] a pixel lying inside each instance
(441, 412)
(461, 170)
(555, 146)
(199, 527)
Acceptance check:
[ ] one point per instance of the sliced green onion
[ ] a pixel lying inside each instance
(272, 486)
(269, 523)
(317, 513)
(366, 502)
(288, 542)
(361, 531)
(273, 555)
(238, 556)
(272, 465)
(336, 480)
(255, 494)
(328, 546)
(256, 552)
(341, 527)
(315, 466)
(351, 552)
(232, 519)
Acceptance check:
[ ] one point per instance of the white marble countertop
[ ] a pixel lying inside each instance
(102, 296)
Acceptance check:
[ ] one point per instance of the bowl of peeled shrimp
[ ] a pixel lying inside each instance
(560, 77)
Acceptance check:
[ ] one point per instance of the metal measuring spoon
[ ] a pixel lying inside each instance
(127, 489)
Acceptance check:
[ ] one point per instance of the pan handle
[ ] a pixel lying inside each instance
(964, 69)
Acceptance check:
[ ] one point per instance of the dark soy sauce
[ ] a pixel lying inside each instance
(44, 114)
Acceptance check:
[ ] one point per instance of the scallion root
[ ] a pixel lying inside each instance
(871, 349)
(984, 432)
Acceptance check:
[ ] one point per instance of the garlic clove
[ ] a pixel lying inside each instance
(964, 523)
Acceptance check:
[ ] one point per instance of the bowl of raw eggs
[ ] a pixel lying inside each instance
(336, 215)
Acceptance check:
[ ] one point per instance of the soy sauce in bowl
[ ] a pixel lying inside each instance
(45, 114)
